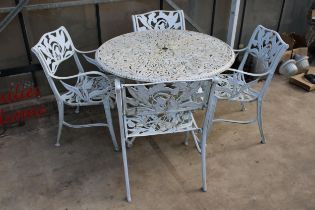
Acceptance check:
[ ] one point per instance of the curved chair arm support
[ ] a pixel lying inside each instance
(92, 61)
(79, 75)
(89, 59)
(249, 74)
(238, 51)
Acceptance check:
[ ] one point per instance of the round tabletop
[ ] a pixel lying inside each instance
(166, 55)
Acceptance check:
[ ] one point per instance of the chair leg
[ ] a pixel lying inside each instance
(112, 101)
(110, 124)
(186, 138)
(206, 127)
(203, 164)
(243, 108)
(124, 156)
(77, 110)
(61, 118)
(259, 120)
(130, 142)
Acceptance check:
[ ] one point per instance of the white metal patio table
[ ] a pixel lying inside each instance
(165, 55)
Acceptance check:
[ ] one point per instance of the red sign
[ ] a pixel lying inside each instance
(17, 93)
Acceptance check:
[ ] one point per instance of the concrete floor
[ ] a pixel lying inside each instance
(85, 173)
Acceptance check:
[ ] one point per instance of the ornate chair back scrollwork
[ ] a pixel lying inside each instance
(159, 20)
(267, 48)
(90, 88)
(164, 108)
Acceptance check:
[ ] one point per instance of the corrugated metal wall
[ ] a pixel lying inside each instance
(211, 16)
(281, 15)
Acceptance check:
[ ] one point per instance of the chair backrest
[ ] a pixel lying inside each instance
(169, 97)
(159, 20)
(160, 107)
(52, 49)
(267, 47)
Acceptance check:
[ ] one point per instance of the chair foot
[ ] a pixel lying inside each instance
(203, 189)
(243, 108)
(129, 200)
(57, 144)
(116, 149)
(259, 121)
(186, 138)
(129, 146)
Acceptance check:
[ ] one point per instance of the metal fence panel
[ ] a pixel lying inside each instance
(294, 16)
(7, 3)
(115, 18)
(265, 12)
(12, 52)
(199, 11)
(221, 19)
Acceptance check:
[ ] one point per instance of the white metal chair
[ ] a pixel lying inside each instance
(159, 20)
(91, 88)
(267, 48)
(164, 108)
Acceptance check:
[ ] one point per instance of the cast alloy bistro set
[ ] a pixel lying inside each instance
(158, 76)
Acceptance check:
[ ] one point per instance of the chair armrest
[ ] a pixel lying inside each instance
(79, 75)
(88, 59)
(85, 52)
(249, 74)
(240, 50)
(92, 61)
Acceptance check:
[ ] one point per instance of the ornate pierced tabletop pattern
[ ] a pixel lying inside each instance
(166, 55)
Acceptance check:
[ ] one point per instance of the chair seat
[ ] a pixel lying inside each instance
(88, 91)
(147, 125)
(236, 90)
